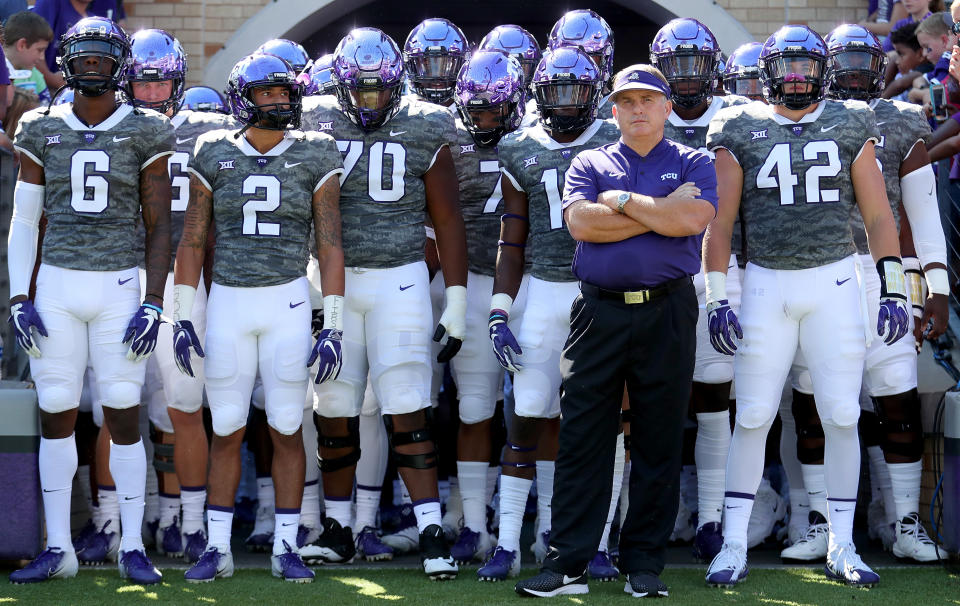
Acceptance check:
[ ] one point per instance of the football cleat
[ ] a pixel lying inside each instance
(80, 541)
(136, 566)
(149, 532)
(452, 522)
(768, 509)
(540, 546)
(333, 546)
(261, 537)
(845, 566)
(729, 567)
(914, 543)
(169, 541)
(708, 542)
(435, 556)
(601, 568)
(52, 563)
(549, 583)
(370, 545)
(470, 546)
(307, 535)
(100, 547)
(812, 545)
(290, 567)
(501, 565)
(194, 544)
(405, 540)
(645, 585)
(211, 565)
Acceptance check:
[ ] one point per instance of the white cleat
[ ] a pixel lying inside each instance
(812, 546)
(768, 509)
(845, 566)
(913, 542)
(729, 567)
(405, 540)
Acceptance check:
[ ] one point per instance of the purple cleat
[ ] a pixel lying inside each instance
(136, 566)
(169, 540)
(372, 548)
(601, 568)
(212, 564)
(194, 543)
(290, 567)
(708, 542)
(52, 563)
(501, 565)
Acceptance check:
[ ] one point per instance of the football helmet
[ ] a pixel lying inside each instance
(432, 55)
(203, 99)
(516, 42)
(94, 37)
(857, 63)
(288, 50)
(368, 72)
(794, 67)
(567, 86)
(321, 76)
(258, 70)
(156, 56)
(688, 55)
(587, 30)
(741, 76)
(490, 82)
(65, 96)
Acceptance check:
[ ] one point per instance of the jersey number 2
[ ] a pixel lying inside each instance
(269, 202)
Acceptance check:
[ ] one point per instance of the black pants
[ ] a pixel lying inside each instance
(650, 347)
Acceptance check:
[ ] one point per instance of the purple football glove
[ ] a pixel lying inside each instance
(23, 318)
(723, 325)
(505, 345)
(329, 350)
(893, 321)
(185, 339)
(142, 332)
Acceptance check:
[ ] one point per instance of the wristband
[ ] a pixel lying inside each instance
(333, 312)
(183, 296)
(501, 302)
(893, 282)
(937, 281)
(716, 286)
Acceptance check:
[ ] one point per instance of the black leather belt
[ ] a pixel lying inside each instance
(635, 296)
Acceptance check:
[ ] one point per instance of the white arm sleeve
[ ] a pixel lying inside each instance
(919, 191)
(24, 231)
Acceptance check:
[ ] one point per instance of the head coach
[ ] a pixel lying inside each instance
(638, 209)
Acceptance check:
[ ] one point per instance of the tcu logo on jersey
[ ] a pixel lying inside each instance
(530, 162)
(325, 126)
(666, 176)
(89, 137)
(467, 149)
(225, 164)
(758, 134)
(53, 139)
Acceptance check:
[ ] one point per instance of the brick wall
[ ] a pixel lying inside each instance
(763, 17)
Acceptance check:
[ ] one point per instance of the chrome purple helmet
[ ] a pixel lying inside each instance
(320, 76)
(157, 56)
(516, 42)
(432, 55)
(587, 30)
(857, 63)
(567, 87)
(368, 72)
(490, 82)
(203, 99)
(94, 37)
(288, 50)
(258, 70)
(687, 53)
(742, 76)
(793, 56)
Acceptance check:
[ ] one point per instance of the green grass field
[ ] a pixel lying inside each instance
(787, 587)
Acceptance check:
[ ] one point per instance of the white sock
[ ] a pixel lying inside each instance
(472, 477)
(710, 453)
(840, 517)
(744, 471)
(128, 466)
(151, 499)
(788, 453)
(625, 492)
(265, 495)
(905, 483)
(454, 499)
(618, 459)
(876, 462)
(371, 470)
(219, 524)
(83, 479)
(688, 486)
(58, 464)
(513, 502)
(427, 512)
(310, 504)
(545, 471)
(192, 500)
(368, 502)
(736, 518)
(340, 510)
(397, 492)
(443, 490)
(799, 507)
(109, 509)
(309, 431)
(169, 508)
(841, 461)
(286, 523)
(404, 493)
(493, 474)
(815, 484)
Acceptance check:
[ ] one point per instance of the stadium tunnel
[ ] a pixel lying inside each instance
(320, 25)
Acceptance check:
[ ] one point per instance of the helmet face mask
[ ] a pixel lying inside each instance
(857, 63)
(741, 75)
(203, 99)
(490, 96)
(93, 56)
(433, 54)
(516, 42)
(256, 72)
(567, 87)
(688, 55)
(157, 57)
(368, 75)
(794, 68)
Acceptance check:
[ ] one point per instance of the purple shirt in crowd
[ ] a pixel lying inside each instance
(4, 72)
(61, 16)
(649, 259)
(887, 45)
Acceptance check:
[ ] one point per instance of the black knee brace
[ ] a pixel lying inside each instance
(810, 436)
(426, 460)
(869, 426)
(351, 440)
(709, 397)
(162, 453)
(901, 425)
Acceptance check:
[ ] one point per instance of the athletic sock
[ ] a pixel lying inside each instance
(128, 466)
(169, 508)
(368, 502)
(192, 500)
(310, 504)
(840, 519)
(545, 471)
(710, 452)
(815, 484)
(427, 512)
(219, 524)
(58, 464)
(905, 484)
(513, 502)
(286, 524)
(473, 494)
(151, 499)
(265, 494)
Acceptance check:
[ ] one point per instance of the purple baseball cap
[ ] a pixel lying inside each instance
(634, 78)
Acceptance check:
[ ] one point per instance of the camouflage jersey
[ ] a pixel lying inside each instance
(693, 133)
(797, 192)
(382, 194)
(536, 165)
(481, 202)
(188, 126)
(92, 173)
(901, 125)
(531, 113)
(263, 203)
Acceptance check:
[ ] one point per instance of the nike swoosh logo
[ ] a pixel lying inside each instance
(179, 140)
(117, 139)
(399, 132)
(406, 287)
(840, 510)
(734, 506)
(122, 282)
(567, 580)
(824, 129)
(292, 305)
(841, 282)
(45, 490)
(880, 123)
(289, 165)
(288, 524)
(129, 498)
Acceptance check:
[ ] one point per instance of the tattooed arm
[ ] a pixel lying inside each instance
(193, 243)
(326, 227)
(155, 208)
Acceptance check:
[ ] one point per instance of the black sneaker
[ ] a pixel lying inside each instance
(435, 555)
(334, 546)
(549, 583)
(645, 585)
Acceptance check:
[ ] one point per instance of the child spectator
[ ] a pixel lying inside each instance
(910, 62)
(26, 36)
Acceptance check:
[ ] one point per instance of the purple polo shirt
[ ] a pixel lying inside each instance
(61, 17)
(4, 72)
(887, 44)
(649, 259)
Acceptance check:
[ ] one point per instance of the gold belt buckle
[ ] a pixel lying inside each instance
(636, 296)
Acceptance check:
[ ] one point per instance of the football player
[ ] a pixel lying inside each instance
(203, 99)
(92, 167)
(890, 374)
(264, 187)
(567, 86)
(589, 31)
(519, 44)
(397, 167)
(795, 181)
(288, 50)
(741, 75)
(433, 54)
(321, 76)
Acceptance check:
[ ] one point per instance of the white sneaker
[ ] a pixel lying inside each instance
(845, 566)
(913, 542)
(683, 528)
(768, 509)
(405, 540)
(729, 567)
(812, 545)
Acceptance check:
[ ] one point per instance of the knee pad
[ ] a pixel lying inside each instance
(869, 429)
(845, 414)
(715, 372)
(351, 440)
(403, 400)
(754, 416)
(338, 399)
(427, 460)
(475, 410)
(800, 378)
(228, 419)
(893, 375)
(286, 420)
(121, 394)
(162, 453)
(56, 399)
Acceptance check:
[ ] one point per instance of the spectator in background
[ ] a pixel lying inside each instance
(5, 142)
(911, 63)
(23, 101)
(883, 14)
(917, 11)
(26, 36)
(9, 7)
(936, 38)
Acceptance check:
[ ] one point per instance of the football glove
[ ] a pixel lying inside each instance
(329, 350)
(185, 339)
(893, 321)
(453, 323)
(142, 332)
(723, 324)
(23, 319)
(505, 345)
